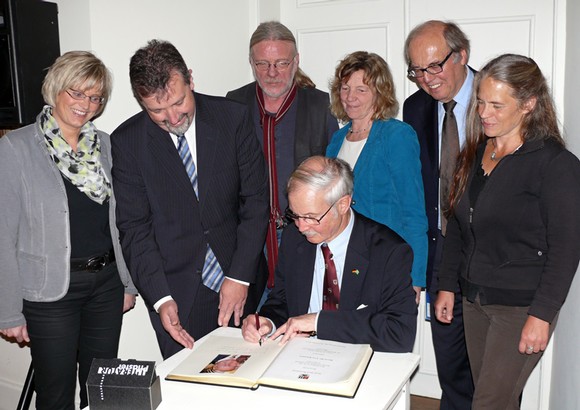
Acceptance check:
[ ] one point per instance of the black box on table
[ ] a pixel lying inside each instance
(123, 384)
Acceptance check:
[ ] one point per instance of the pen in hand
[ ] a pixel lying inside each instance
(258, 326)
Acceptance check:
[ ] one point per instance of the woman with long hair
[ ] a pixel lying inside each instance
(514, 229)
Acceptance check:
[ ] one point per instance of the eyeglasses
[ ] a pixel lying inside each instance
(78, 95)
(432, 69)
(310, 220)
(280, 65)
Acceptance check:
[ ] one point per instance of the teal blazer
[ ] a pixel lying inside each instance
(388, 187)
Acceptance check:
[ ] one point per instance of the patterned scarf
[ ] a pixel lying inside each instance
(268, 127)
(82, 168)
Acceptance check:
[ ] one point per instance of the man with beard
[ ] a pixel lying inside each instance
(291, 117)
(192, 201)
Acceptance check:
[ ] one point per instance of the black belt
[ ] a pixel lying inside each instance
(92, 264)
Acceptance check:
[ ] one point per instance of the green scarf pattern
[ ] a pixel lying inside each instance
(82, 168)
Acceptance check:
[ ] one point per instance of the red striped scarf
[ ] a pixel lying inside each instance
(269, 123)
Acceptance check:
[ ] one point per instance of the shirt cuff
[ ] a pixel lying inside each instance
(316, 322)
(161, 301)
(238, 281)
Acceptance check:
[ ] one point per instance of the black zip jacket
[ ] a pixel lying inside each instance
(519, 244)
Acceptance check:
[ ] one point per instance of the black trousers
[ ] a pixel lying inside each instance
(453, 369)
(84, 324)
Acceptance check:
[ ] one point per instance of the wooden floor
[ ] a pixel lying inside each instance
(424, 403)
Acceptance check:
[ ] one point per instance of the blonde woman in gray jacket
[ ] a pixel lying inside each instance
(63, 283)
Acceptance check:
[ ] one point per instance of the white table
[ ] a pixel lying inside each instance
(384, 386)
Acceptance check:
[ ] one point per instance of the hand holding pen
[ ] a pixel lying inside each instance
(258, 327)
(254, 328)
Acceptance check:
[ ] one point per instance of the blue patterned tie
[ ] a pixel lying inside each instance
(212, 275)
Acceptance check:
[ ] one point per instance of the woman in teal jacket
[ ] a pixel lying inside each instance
(383, 152)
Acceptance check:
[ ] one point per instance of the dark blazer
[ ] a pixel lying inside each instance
(376, 274)
(420, 111)
(312, 119)
(164, 228)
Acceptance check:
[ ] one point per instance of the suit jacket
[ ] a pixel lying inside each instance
(312, 119)
(421, 112)
(376, 274)
(165, 229)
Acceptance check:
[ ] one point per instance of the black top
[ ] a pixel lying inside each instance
(284, 145)
(477, 185)
(90, 234)
(518, 244)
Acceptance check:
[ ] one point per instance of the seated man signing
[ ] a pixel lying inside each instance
(339, 274)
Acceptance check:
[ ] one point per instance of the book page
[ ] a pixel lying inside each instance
(319, 365)
(226, 360)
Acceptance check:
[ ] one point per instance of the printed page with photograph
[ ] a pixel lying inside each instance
(305, 364)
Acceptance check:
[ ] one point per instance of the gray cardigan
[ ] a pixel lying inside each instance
(34, 224)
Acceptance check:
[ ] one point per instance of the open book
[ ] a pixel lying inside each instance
(306, 364)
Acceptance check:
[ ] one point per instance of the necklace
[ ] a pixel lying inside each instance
(368, 127)
(357, 131)
(493, 155)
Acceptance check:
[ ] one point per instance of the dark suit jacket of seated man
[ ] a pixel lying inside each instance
(377, 302)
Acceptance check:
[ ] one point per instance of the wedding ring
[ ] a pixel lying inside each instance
(530, 349)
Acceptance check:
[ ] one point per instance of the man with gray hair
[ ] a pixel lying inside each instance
(437, 53)
(292, 118)
(341, 275)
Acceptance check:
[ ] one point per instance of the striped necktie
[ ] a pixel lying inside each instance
(212, 275)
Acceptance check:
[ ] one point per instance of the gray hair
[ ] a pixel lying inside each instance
(330, 175)
(276, 31)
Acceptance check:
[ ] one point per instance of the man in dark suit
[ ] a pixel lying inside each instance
(192, 201)
(367, 266)
(292, 118)
(437, 53)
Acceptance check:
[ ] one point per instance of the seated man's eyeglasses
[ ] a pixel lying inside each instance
(436, 68)
(279, 65)
(78, 95)
(310, 220)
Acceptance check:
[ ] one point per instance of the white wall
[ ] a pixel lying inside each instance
(566, 361)
(211, 35)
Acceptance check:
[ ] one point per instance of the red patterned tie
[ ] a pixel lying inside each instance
(330, 293)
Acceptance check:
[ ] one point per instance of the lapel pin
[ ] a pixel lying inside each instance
(355, 271)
